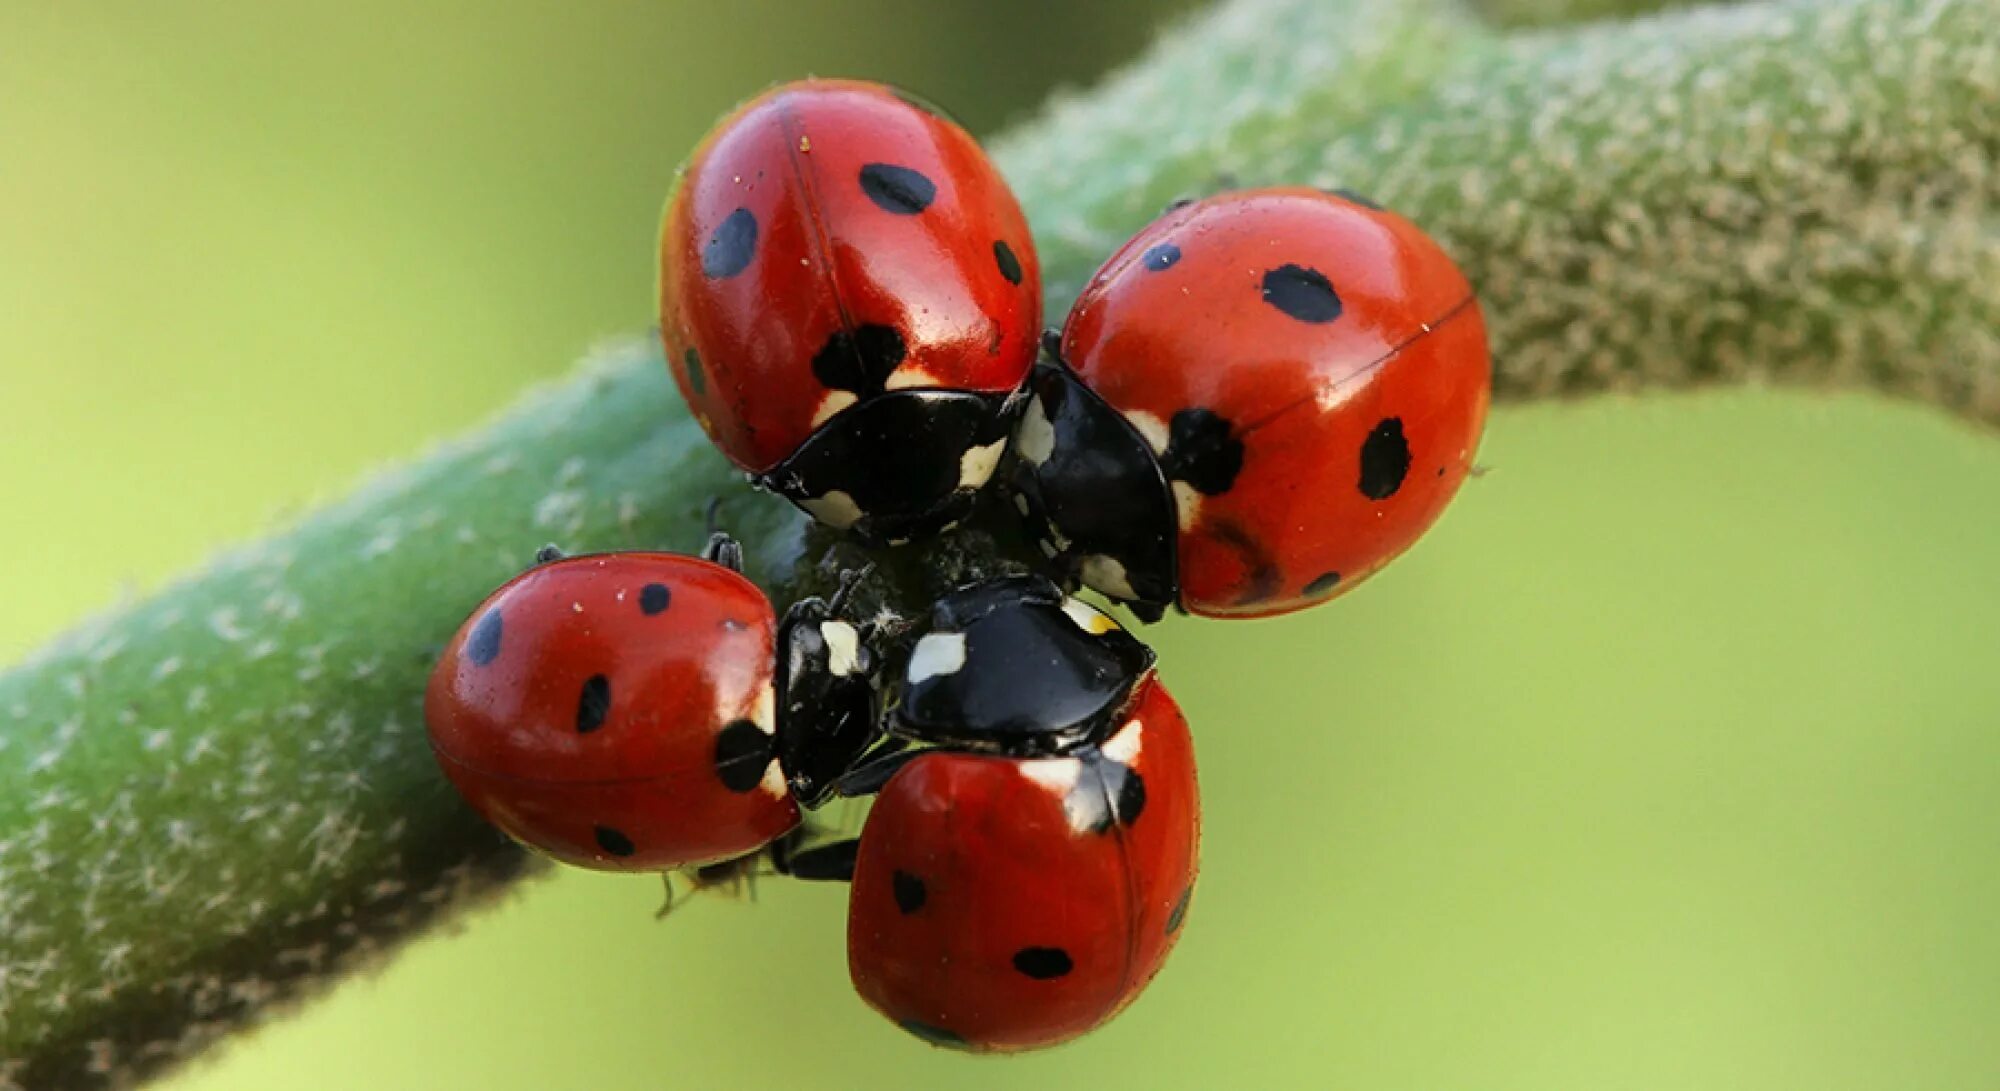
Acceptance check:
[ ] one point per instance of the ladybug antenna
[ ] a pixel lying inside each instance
(1052, 343)
(711, 516)
(549, 554)
(723, 550)
(849, 580)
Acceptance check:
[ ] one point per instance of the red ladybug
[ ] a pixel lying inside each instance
(849, 300)
(1022, 877)
(1268, 396)
(627, 711)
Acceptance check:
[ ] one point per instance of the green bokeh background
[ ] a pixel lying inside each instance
(1669, 761)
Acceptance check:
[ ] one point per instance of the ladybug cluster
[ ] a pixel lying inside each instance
(1256, 403)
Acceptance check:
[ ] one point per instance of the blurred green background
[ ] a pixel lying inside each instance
(1669, 761)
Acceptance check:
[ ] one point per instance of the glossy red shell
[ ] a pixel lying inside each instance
(1002, 870)
(1356, 428)
(582, 709)
(742, 324)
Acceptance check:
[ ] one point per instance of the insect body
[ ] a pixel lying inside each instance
(1260, 400)
(850, 301)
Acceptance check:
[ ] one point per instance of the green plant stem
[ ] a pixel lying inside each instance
(219, 798)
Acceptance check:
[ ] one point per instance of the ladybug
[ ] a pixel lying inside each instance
(850, 303)
(1258, 402)
(1031, 852)
(648, 711)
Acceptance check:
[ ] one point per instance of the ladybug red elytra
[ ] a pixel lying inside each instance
(1022, 876)
(1260, 400)
(850, 301)
(647, 711)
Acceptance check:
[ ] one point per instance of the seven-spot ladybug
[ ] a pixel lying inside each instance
(641, 711)
(1022, 876)
(850, 301)
(1267, 396)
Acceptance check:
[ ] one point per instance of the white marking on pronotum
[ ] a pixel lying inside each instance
(1035, 438)
(1152, 428)
(1107, 575)
(834, 402)
(936, 654)
(843, 647)
(1087, 617)
(836, 509)
(975, 466)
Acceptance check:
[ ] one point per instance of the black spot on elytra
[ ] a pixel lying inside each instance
(697, 378)
(742, 750)
(614, 841)
(483, 646)
(1303, 293)
(1043, 963)
(909, 891)
(1162, 257)
(654, 598)
(1179, 912)
(1131, 797)
(900, 190)
(1352, 197)
(1385, 458)
(859, 361)
(1203, 451)
(731, 247)
(937, 1036)
(593, 705)
(1322, 584)
(1003, 256)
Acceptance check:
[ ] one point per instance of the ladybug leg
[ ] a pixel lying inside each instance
(723, 550)
(844, 594)
(832, 862)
